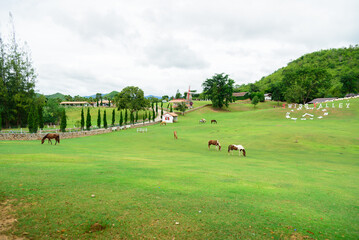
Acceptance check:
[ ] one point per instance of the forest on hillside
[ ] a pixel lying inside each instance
(326, 73)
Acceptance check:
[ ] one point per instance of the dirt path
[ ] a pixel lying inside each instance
(7, 221)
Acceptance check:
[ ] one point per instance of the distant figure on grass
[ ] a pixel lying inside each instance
(50, 136)
(175, 135)
(163, 123)
(240, 149)
(215, 143)
(214, 121)
(202, 120)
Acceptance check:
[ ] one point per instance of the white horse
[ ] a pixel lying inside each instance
(240, 149)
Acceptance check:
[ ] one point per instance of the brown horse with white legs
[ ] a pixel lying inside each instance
(240, 149)
(163, 123)
(50, 136)
(215, 143)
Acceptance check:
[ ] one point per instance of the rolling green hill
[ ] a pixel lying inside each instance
(342, 66)
(56, 95)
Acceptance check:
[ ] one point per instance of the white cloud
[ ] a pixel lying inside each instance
(87, 47)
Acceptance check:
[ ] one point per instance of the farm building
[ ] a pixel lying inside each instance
(105, 103)
(268, 97)
(169, 117)
(240, 95)
(75, 104)
(176, 102)
(320, 100)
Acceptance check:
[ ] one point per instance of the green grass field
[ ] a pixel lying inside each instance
(299, 179)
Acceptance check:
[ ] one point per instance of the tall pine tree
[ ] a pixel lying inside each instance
(40, 117)
(126, 116)
(63, 122)
(99, 119)
(82, 119)
(132, 118)
(113, 117)
(88, 120)
(104, 119)
(121, 119)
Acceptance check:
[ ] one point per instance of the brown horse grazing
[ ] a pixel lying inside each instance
(214, 121)
(215, 143)
(163, 123)
(50, 136)
(175, 135)
(240, 148)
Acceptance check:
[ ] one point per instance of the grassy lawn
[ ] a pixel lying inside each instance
(300, 178)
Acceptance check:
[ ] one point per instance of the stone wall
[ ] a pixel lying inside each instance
(65, 135)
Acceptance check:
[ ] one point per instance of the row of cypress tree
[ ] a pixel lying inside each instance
(123, 119)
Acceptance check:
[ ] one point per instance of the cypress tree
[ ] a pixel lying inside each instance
(153, 115)
(171, 110)
(97, 102)
(63, 122)
(156, 109)
(88, 119)
(121, 118)
(101, 102)
(149, 116)
(104, 119)
(30, 120)
(143, 117)
(132, 118)
(99, 119)
(82, 119)
(113, 117)
(136, 116)
(40, 117)
(0, 121)
(126, 116)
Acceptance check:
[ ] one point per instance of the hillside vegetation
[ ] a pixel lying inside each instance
(329, 73)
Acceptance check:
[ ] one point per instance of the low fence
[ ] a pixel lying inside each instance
(74, 134)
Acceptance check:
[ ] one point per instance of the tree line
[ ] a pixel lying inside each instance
(326, 73)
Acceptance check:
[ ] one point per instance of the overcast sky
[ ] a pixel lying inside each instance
(85, 47)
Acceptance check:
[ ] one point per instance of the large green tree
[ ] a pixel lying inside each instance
(219, 89)
(350, 81)
(304, 83)
(131, 98)
(17, 81)
(182, 107)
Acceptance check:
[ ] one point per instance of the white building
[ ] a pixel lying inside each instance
(169, 117)
(268, 97)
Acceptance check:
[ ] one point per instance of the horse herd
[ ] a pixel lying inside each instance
(216, 143)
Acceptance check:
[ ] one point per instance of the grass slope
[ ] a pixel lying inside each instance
(299, 179)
